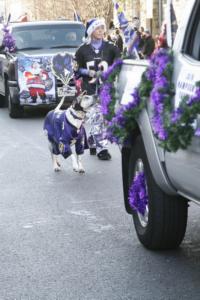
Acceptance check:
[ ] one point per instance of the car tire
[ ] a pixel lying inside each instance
(164, 223)
(15, 110)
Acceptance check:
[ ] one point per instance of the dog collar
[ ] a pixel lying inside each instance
(75, 117)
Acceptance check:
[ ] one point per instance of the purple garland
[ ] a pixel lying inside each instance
(8, 40)
(105, 96)
(156, 85)
(117, 63)
(160, 91)
(138, 197)
(122, 117)
(169, 123)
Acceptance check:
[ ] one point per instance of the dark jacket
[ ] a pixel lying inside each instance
(119, 43)
(87, 58)
(148, 47)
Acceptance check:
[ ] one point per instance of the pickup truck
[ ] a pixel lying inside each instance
(172, 178)
(26, 77)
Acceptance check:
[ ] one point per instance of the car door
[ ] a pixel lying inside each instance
(183, 166)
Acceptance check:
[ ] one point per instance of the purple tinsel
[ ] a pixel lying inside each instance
(138, 197)
(176, 115)
(194, 99)
(105, 97)
(155, 73)
(8, 40)
(120, 118)
(117, 63)
(197, 132)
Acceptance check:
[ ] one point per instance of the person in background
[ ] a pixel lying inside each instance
(131, 36)
(119, 40)
(149, 45)
(141, 43)
(91, 59)
(23, 18)
(162, 37)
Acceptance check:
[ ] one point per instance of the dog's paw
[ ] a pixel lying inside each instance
(57, 169)
(58, 163)
(81, 171)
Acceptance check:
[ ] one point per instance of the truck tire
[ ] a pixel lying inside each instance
(15, 110)
(3, 102)
(164, 223)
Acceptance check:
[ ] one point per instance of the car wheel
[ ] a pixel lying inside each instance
(15, 110)
(160, 221)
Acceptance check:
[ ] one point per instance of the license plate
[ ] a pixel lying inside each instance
(63, 92)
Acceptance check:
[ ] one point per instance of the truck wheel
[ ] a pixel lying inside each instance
(15, 110)
(3, 102)
(163, 222)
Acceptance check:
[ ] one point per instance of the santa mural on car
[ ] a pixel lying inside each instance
(35, 82)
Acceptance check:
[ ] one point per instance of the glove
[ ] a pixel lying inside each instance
(92, 73)
(98, 74)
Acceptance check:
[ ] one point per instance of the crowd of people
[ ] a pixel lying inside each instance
(144, 43)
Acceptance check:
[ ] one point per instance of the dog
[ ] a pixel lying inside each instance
(64, 128)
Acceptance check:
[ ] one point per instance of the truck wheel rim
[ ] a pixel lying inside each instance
(143, 218)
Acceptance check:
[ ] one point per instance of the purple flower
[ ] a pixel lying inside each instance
(197, 132)
(138, 197)
(109, 71)
(176, 115)
(8, 40)
(156, 98)
(162, 134)
(150, 73)
(162, 82)
(105, 97)
(158, 127)
(194, 99)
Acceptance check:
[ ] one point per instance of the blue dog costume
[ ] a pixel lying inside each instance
(62, 134)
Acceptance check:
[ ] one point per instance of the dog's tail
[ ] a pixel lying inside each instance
(60, 104)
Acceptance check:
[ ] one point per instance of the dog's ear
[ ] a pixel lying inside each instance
(76, 103)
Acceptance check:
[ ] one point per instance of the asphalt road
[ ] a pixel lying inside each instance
(67, 236)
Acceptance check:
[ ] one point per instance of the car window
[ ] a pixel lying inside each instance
(49, 36)
(192, 41)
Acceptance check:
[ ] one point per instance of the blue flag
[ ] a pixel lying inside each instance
(77, 17)
(172, 24)
(131, 38)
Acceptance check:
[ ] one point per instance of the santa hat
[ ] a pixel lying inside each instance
(92, 25)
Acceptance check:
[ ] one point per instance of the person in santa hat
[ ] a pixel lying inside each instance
(93, 57)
